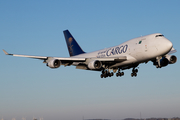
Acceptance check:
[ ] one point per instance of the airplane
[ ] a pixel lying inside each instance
(153, 47)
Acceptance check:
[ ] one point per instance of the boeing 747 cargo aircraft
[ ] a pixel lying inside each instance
(153, 47)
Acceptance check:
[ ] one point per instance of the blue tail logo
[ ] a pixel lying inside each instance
(72, 45)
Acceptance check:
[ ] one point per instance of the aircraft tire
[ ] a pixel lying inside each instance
(101, 75)
(132, 74)
(122, 73)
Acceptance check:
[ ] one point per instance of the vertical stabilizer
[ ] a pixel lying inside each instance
(73, 46)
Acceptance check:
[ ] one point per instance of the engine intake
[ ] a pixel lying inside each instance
(54, 63)
(172, 59)
(95, 65)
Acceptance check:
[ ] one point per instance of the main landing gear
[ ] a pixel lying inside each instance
(119, 73)
(106, 73)
(134, 72)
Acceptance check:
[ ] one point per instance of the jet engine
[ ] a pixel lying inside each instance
(54, 63)
(172, 59)
(164, 61)
(95, 65)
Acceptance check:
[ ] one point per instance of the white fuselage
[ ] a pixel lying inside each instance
(137, 50)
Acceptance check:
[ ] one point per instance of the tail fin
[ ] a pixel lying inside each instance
(73, 46)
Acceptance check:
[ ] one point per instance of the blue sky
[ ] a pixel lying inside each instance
(28, 88)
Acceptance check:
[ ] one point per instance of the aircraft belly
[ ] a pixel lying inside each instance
(125, 63)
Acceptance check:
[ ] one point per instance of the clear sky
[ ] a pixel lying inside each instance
(29, 88)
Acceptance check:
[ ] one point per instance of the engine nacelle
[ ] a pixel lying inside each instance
(171, 58)
(54, 63)
(95, 65)
(163, 62)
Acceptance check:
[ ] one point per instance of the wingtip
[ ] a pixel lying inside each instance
(5, 52)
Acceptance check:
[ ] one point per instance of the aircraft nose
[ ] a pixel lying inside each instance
(169, 44)
(164, 46)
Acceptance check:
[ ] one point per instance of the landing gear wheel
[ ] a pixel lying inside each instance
(134, 72)
(117, 74)
(106, 73)
(101, 75)
(122, 73)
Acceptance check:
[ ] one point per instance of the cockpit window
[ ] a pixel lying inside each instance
(159, 35)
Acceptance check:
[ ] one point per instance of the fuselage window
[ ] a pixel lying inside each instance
(159, 35)
(140, 42)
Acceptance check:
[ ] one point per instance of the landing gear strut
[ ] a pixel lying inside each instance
(134, 72)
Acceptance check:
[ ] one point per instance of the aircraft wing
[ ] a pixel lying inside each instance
(29, 56)
(172, 51)
(47, 58)
(71, 59)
